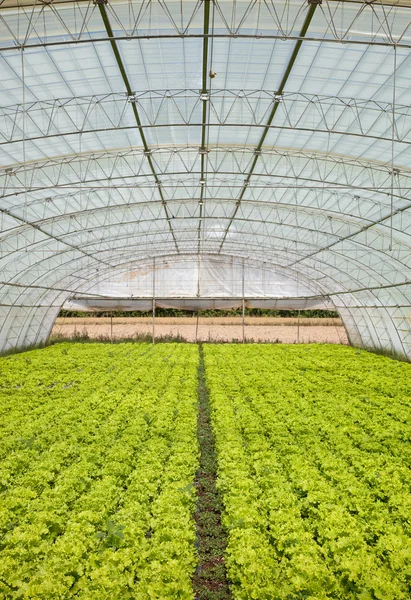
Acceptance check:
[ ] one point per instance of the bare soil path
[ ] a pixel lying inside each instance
(258, 329)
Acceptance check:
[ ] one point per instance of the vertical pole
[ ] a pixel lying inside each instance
(243, 311)
(198, 288)
(197, 327)
(298, 328)
(111, 327)
(154, 317)
(243, 322)
(154, 298)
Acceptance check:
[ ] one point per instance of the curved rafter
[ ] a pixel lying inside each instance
(136, 24)
(117, 146)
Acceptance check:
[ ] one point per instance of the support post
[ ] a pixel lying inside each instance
(154, 319)
(111, 327)
(154, 299)
(243, 305)
(243, 322)
(196, 338)
(198, 291)
(298, 328)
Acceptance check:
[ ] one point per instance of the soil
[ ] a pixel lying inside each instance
(210, 579)
(257, 329)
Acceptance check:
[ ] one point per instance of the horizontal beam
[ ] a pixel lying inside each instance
(13, 4)
(180, 36)
(164, 94)
(199, 124)
(279, 152)
(220, 200)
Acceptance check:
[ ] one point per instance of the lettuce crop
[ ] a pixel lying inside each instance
(98, 452)
(313, 461)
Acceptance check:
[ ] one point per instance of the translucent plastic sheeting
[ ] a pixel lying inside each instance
(202, 276)
(117, 148)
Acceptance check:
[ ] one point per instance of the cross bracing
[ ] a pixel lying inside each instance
(339, 116)
(35, 24)
(248, 132)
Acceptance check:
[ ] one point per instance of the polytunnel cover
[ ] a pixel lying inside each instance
(203, 152)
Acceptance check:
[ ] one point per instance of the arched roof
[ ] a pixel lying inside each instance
(276, 132)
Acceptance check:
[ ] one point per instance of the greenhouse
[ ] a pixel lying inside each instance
(245, 163)
(206, 153)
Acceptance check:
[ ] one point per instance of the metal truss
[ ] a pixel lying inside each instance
(316, 184)
(348, 172)
(332, 209)
(296, 240)
(339, 21)
(344, 204)
(325, 220)
(333, 115)
(317, 197)
(320, 272)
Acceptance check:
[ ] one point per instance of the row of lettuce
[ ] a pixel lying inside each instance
(98, 457)
(99, 453)
(313, 455)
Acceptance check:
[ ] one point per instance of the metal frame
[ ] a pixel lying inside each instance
(31, 12)
(71, 206)
(131, 99)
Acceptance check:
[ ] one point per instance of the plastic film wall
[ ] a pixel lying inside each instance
(227, 149)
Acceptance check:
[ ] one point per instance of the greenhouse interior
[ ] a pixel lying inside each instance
(206, 153)
(205, 299)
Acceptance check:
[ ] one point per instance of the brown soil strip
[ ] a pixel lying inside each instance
(207, 330)
(210, 581)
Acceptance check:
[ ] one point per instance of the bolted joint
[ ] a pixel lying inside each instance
(314, 1)
(278, 97)
(203, 150)
(395, 171)
(204, 96)
(132, 98)
(258, 152)
(147, 152)
(99, 2)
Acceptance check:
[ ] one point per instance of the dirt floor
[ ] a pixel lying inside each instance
(258, 329)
